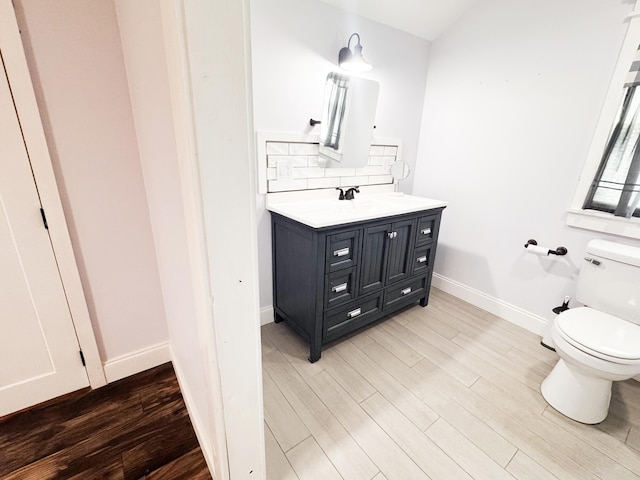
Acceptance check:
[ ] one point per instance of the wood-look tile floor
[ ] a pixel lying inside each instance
(135, 428)
(444, 392)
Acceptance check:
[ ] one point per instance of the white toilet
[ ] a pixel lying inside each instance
(599, 343)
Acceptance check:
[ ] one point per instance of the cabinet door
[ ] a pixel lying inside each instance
(374, 253)
(399, 261)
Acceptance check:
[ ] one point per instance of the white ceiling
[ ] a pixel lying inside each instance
(424, 18)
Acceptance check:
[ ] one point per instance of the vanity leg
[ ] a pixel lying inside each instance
(424, 301)
(277, 318)
(314, 354)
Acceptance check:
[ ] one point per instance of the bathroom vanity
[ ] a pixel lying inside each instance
(340, 265)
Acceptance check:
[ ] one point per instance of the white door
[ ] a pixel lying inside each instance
(39, 353)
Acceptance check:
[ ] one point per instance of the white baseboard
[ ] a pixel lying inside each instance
(136, 362)
(196, 420)
(266, 315)
(511, 313)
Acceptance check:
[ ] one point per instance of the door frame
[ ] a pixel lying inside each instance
(36, 144)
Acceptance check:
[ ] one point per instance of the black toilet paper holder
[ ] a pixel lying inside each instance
(558, 251)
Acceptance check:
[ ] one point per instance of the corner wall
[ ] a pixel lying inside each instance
(513, 94)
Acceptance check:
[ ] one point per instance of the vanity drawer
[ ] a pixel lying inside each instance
(349, 317)
(342, 250)
(339, 287)
(422, 259)
(427, 230)
(405, 293)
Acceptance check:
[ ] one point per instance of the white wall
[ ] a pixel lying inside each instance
(513, 95)
(295, 43)
(75, 59)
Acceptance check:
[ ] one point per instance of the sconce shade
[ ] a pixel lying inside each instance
(353, 61)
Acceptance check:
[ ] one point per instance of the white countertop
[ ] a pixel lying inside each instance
(321, 208)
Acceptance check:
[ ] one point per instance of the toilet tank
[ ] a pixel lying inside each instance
(609, 279)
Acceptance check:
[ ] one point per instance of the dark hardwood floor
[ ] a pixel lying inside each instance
(135, 428)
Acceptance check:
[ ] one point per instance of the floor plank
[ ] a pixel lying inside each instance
(125, 430)
(188, 466)
(524, 468)
(328, 432)
(310, 462)
(612, 447)
(449, 390)
(280, 416)
(465, 452)
(385, 453)
(423, 451)
(278, 467)
(401, 397)
(493, 444)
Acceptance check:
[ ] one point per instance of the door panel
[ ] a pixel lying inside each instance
(399, 264)
(39, 353)
(374, 251)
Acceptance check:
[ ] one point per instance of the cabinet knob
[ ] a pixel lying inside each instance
(425, 231)
(354, 313)
(392, 234)
(341, 253)
(422, 259)
(406, 291)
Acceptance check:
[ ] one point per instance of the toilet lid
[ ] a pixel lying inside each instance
(600, 333)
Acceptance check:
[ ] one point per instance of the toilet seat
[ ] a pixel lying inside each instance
(600, 335)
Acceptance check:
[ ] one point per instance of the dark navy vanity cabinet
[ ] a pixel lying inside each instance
(332, 280)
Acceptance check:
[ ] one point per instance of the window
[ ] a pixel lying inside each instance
(615, 188)
(607, 197)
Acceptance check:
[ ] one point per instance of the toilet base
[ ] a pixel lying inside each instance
(581, 397)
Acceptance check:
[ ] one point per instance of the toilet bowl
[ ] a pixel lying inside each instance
(595, 350)
(598, 344)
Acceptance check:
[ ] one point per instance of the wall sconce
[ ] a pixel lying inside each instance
(353, 60)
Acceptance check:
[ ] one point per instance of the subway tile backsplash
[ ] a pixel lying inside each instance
(308, 172)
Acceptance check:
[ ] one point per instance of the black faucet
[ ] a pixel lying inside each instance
(349, 194)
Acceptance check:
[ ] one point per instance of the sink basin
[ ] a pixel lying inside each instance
(326, 212)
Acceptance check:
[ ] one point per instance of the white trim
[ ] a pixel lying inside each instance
(607, 117)
(266, 315)
(31, 123)
(196, 420)
(217, 62)
(261, 169)
(136, 362)
(604, 222)
(511, 313)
